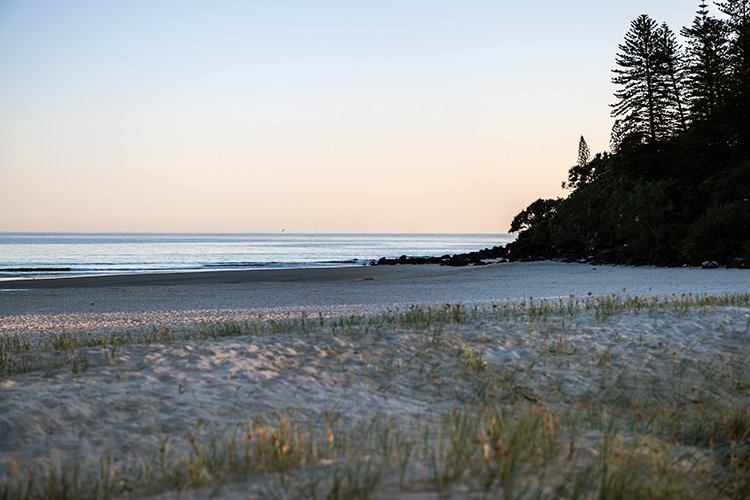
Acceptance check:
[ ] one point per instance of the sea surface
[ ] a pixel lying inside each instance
(66, 254)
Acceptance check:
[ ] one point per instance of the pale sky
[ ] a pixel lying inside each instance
(380, 116)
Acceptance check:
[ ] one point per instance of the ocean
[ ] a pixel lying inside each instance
(67, 254)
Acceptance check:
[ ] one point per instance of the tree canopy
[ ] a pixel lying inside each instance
(675, 186)
(648, 76)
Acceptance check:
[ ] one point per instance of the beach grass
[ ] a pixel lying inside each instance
(561, 414)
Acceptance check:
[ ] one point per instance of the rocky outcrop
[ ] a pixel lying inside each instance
(383, 261)
(477, 258)
(512, 252)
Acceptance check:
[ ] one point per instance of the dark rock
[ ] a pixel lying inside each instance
(405, 259)
(710, 264)
(466, 259)
(455, 261)
(738, 263)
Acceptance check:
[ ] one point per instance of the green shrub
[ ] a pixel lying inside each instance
(721, 234)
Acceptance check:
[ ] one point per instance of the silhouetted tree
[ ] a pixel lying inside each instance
(707, 64)
(533, 214)
(673, 68)
(738, 12)
(738, 23)
(584, 153)
(637, 73)
(676, 187)
(616, 136)
(580, 173)
(648, 94)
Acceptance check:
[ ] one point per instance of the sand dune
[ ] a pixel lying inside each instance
(64, 404)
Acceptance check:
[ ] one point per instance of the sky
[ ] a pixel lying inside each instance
(325, 116)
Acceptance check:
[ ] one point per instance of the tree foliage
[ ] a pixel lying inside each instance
(673, 69)
(738, 23)
(582, 172)
(584, 153)
(648, 76)
(707, 64)
(533, 214)
(738, 109)
(675, 187)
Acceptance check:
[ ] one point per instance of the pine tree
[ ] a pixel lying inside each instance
(674, 68)
(616, 136)
(738, 12)
(738, 24)
(648, 75)
(707, 64)
(584, 153)
(582, 172)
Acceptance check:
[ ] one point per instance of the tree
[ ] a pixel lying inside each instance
(533, 214)
(673, 69)
(584, 153)
(676, 184)
(616, 136)
(738, 24)
(646, 208)
(707, 65)
(648, 77)
(580, 173)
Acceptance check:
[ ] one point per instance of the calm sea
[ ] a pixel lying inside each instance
(43, 254)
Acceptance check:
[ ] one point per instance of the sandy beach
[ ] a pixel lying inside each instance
(171, 299)
(374, 251)
(300, 383)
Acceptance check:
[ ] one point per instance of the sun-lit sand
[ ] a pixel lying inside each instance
(246, 358)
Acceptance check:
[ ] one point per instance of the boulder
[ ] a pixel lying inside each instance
(738, 263)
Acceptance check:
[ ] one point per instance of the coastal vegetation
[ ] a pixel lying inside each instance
(578, 397)
(675, 186)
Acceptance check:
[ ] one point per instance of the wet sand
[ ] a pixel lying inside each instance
(302, 275)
